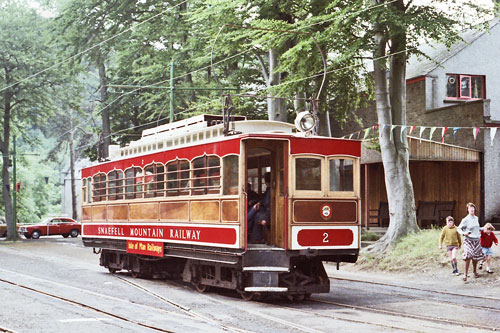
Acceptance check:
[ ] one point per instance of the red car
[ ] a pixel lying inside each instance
(64, 226)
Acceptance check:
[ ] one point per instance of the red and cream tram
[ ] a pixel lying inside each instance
(176, 202)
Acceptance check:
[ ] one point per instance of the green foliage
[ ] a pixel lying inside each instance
(412, 253)
(368, 236)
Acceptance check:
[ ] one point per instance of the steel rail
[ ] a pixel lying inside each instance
(83, 305)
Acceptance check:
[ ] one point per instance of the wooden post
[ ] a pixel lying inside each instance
(365, 199)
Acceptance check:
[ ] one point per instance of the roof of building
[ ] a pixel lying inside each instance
(439, 53)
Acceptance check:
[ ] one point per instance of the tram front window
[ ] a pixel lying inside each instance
(341, 175)
(308, 174)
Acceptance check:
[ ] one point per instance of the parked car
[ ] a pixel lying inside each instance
(3, 227)
(64, 226)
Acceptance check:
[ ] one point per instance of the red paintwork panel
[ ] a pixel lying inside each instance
(197, 234)
(325, 237)
(325, 146)
(221, 149)
(146, 248)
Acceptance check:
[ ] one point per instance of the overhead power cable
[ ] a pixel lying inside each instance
(92, 47)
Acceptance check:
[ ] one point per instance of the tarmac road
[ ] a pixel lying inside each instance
(56, 285)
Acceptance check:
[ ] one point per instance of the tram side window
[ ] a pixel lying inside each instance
(213, 174)
(133, 183)
(160, 180)
(149, 181)
(230, 172)
(84, 190)
(200, 176)
(308, 174)
(341, 175)
(115, 185)
(99, 187)
(177, 178)
(89, 190)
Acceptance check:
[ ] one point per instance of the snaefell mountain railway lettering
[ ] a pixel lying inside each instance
(146, 232)
(185, 234)
(110, 231)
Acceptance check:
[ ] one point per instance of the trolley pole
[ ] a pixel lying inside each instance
(172, 92)
(14, 194)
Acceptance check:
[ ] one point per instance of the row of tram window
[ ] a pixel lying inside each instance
(179, 177)
(203, 176)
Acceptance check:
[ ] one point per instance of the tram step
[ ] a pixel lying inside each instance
(265, 269)
(265, 258)
(267, 289)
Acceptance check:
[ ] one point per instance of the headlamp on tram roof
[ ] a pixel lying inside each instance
(305, 121)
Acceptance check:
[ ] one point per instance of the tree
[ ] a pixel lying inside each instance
(25, 98)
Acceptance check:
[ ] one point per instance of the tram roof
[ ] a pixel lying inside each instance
(190, 142)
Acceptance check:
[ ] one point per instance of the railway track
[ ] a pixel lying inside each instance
(83, 305)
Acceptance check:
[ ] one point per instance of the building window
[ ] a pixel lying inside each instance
(465, 86)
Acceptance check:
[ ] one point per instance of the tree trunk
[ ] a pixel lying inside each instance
(274, 109)
(74, 212)
(4, 147)
(106, 128)
(391, 109)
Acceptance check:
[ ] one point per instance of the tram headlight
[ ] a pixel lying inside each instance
(305, 121)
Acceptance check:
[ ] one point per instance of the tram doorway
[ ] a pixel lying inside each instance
(266, 157)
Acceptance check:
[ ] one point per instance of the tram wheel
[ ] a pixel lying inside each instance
(134, 274)
(247, 296)
(299, 297)
(202, 288)
(112, 270)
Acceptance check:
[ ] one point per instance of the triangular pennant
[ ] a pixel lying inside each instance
(403, 127)
(390, 134)
(350, 136)
(475, 132)
(432, 132)
(493, 131)
(443, 132)
(455, 130)
(367, 132)
(422, 129)
(375, 126)
(412, 129)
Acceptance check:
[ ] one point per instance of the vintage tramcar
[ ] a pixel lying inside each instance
(176, 202)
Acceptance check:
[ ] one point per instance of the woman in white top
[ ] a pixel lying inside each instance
(469, 228)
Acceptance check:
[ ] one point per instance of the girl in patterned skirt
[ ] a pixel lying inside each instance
(469, 227)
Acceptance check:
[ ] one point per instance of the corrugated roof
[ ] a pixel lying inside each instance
(439, 53)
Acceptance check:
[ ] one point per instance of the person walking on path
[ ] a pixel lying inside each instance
(487, 240)
(453, 242)
(469, 227)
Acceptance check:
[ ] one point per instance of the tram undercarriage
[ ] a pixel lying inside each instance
(260, 270)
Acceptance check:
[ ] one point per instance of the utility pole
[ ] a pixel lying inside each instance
(172, 92)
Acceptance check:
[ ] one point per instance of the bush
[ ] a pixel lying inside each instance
(368, 236)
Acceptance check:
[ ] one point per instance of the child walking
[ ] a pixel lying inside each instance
(453, 242)
(487, 240)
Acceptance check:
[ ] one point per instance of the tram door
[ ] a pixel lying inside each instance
(267, 156)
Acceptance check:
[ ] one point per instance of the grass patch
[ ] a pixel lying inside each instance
(415, 252)
(368, 236)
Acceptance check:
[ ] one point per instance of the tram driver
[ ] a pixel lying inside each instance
(259, 216)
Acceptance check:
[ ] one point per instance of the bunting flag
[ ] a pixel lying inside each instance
(390, 134)
(432, 132)
(422, 129)
(403, 128)
(475, 132)
(367, 132)
(443, 132)
(412, 129)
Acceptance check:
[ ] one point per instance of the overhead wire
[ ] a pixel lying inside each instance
(92, 47)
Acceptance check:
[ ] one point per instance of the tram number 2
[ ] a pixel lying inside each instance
(325, 237)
